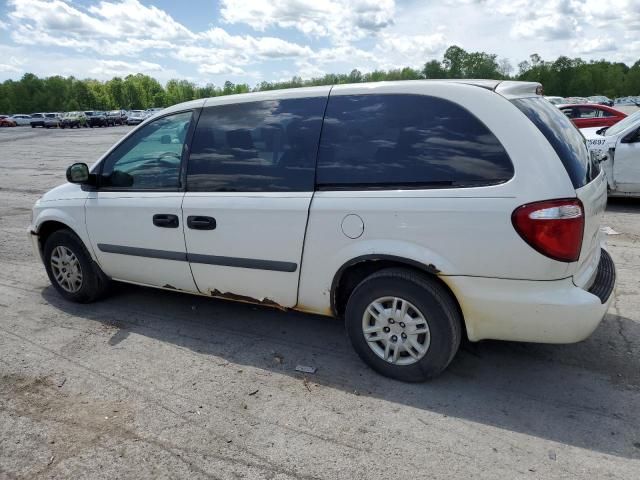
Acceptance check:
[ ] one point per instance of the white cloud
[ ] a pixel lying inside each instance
(219, 69)
(112, 68)
(264, 47)
(410, 50)
(131, 18)
(276, 38)
(9, 68)
(339, 19)
(594, 45)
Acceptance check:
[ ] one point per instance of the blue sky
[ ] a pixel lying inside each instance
(208, 41)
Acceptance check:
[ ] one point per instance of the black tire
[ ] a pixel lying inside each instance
(434, 303)
(94, 282)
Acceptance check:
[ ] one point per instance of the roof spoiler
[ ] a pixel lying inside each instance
(513, 89)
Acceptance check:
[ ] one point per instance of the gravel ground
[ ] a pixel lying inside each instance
(152, 384)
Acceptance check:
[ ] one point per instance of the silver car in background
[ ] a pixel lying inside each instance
(21, 119)
(135, 117)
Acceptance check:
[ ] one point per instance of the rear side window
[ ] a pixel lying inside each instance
(406, 141)
(563, 136)
(267, 146)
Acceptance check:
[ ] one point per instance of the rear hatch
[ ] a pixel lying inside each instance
(583, 170)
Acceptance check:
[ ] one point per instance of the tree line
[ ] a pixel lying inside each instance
(563, 76)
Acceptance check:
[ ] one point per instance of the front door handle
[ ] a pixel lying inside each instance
(201, 223)
(165, 220)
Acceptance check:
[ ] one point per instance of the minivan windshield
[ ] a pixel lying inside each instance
(623, 124)
(563, 136)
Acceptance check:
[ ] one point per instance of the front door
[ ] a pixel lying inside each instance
(134, 219)
(626, 162)
(250, 181)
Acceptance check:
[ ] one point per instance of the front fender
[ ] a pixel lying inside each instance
(71, 214)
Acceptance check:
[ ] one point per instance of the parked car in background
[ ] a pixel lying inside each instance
(618, 148)
(592, 115)
(149, 112)
(117, 117)
(37, 120)
(7, 121)
(556, 100)
(96, 118)
(52, 120)
(576, 100)
(601, 99)
(135, 117)
(73, 120)
(411, 209)
(21, 119)
(627, 101)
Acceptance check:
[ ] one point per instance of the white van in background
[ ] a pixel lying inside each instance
(618, 148)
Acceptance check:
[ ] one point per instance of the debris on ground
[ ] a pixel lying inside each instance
(305, 381)
(254, 392)
(608, 230)
(552, 455)
(306, 369)
(278, 359)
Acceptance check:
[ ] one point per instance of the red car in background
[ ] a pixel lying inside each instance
(587, 115)
(6, 121)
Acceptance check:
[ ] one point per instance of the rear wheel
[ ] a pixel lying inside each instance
(403, 324)
(71, 270)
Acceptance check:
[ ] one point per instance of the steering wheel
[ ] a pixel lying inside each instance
(161, 159)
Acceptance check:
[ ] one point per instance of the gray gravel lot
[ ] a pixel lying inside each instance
(153, 384)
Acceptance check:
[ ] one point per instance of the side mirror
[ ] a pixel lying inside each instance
(78, 173)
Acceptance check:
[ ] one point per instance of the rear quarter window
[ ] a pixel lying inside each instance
(406, 141)
(563, 136)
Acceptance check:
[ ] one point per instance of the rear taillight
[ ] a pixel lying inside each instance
(552, 227)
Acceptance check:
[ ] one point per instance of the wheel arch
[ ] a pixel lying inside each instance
(357, 269)
(48, 227)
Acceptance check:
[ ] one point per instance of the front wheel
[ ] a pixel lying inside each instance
(403, 324)
(71, 269)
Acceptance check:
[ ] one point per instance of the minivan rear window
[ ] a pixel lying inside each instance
(563, 136)
(400, 141)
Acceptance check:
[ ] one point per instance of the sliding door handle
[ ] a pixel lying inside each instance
(165, 220)
(201, 223)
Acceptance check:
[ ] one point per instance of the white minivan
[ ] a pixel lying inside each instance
(418, 211)
(618, 147)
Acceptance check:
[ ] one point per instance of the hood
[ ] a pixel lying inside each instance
(66, 191)
(598, 142)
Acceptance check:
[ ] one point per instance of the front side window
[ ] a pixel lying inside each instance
(150, 158)
(267, 146)
(407, 141)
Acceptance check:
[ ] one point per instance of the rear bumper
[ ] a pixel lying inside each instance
(534, 311)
